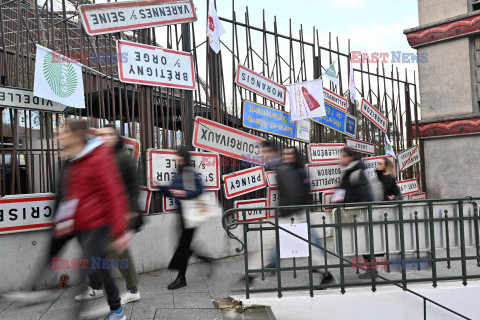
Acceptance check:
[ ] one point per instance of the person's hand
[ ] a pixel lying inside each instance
(391, 198)
(121, 244)
(178, 193)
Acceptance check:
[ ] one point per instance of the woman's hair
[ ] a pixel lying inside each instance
(389, 167)
(119, 145)
(184, 152)
(77, 126)
(351, 153)
(298, 163)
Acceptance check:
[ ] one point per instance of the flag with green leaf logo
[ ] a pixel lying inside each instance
(58, 78)
(331, 74)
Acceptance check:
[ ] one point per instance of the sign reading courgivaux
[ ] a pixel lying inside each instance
(374, 115)
(409, 157)
(244, 181)
(216, 137)
(24, 99)
(257, 83)
(130, 15)
(150, 65)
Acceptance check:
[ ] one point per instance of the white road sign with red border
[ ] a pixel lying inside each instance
(408, 158)
(261, 85)
(335, 100)
(271, 178)
(273, 200)
(374, 115)
(408, 187)
(252, 215)
(418, 196)
(244, 181)
(323, 152)
(144, 198)
(360, 146)
(324, 176)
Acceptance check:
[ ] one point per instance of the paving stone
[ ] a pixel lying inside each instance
(191, 314)
(146, 307)
(192, 300)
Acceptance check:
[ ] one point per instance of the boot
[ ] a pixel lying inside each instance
(179, 282)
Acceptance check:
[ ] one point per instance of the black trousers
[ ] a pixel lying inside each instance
(182, 254)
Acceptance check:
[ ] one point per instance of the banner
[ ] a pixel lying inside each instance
(351, 84)
(58, 78)
(306, 100)
(215, 28)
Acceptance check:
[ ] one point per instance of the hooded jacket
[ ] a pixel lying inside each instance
(355, 183)
(93, 177)
(390, 187)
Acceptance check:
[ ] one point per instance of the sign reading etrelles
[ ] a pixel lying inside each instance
(113, 17)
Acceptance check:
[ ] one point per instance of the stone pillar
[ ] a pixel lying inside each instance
(448, 45)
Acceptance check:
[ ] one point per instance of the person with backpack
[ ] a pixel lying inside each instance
(386, 174)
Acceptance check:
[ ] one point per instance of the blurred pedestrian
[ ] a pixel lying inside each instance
(386, 175)
(186, 184)
(128, 170)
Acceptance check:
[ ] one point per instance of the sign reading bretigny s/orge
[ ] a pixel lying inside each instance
(335, 100)
(360, 146)
(237, 144)
(244, 181)
(259, 84)
(112, 17)
(150, 65)
(262, 118)
(374, 115)
(323, 152)
(254, 214)
(338, 120)
(408, 186)
(371, 164)
(24, 99)
(409, 157)
(324, 176)
(162, 167)
(23, 212)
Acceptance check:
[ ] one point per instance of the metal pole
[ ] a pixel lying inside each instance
(188, 124)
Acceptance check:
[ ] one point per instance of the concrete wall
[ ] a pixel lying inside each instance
(453, 166)
(445, 81)
(430, 11)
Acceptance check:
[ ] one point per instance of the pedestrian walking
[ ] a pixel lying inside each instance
(128, 170)
(186, 184)
(386, 175)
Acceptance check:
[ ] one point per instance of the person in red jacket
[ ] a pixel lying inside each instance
(94, 206)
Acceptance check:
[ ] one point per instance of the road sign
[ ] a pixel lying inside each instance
(261, 85)
(327, 199)
(271, 178)
(323, 152)
(170, 205)
(408, 158)
(162, 166)
(339, 121)
(237, 144)
(360, 146)
(371, 164)
(273, 200)
(262, 118)
(408, 187)
(24, 99)
(113, 17)
(144, 198)
(335, 100)
(324, 176)
(374, 115)
(418, 196)
(150, 65)
(244, 181)
(252, 215)
(26, 212)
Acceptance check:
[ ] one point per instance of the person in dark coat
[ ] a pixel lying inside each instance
(386, 175)
(354, 180)
(186, 184)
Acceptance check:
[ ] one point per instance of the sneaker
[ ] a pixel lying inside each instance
(89, 294)
(115, 316)
(127, 297)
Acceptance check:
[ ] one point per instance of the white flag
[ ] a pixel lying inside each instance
(58, 78)
(306, 100)
(351, 84)
(331, 74)
(215, 28)
(389, 148)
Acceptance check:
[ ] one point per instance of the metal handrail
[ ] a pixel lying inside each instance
(231, 225)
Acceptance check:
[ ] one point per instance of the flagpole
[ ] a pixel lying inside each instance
(187, 47)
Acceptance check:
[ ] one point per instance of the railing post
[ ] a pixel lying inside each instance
(310, 262)
(462, 242)
(402, 245)
(475, 227)
(277, 247)
(417, 240)
(372, 253)
(261, 250)
(432, 243)
(245, 247)
(340, 249)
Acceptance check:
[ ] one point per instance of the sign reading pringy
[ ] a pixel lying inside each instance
(409, 157)
(254, 214)
(170, 205)
(244, 181)
(150, 65)
(24, 212)
(144, 198)
(335, 100)
(131, 15)
(262, 118)
(271, 178)
(338, 120)
(374, 115)
(24, 99)
(360, 146)
(216, 137)
(371, 164)
(162, 166)
(408, 187)
(324, 176)
(323, 152)
(261, 85)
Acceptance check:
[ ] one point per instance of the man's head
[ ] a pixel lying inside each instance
(270, 152)
(348, 156)
(73, 135)
(110, 135)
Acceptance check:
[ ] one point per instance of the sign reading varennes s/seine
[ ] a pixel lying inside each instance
(150, 65)
(24, 99)
(130, 15)
(259, 84)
